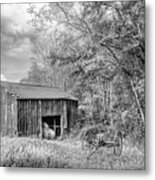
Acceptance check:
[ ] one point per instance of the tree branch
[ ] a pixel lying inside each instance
(62, 9)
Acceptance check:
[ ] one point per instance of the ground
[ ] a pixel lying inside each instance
(27, 152)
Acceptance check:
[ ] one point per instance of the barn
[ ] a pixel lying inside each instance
(24, 109)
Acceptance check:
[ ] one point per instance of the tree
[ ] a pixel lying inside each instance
(36, 75)
(100, 45)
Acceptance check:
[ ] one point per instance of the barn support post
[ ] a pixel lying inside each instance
(61, 125)
(65, 115)
(6, 117)
(15, 115)
(40, 119)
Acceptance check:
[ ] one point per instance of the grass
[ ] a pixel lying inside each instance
(27, 152)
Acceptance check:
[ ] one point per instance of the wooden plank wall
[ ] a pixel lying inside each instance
(30, 113)
(72, 109)
(28, 118)
(55, 107)
(67, 109)
(8, 115)
(24, 117)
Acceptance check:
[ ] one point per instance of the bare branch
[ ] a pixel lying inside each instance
(62, 9)
(112, 52)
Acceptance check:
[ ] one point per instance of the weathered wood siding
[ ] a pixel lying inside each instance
(55, 107)
(8, 115)
(30, 113)
(72, 108)
(67, 109)
(28, 118)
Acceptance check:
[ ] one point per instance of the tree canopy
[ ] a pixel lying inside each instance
(94, 50)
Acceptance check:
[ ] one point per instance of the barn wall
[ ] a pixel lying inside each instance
(25, 116)
(72, 108)
(8, 113)
(55, 107)
(30, 113)
(28, 118)
(66, 108)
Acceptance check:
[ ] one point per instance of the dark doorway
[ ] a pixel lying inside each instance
(53, 123)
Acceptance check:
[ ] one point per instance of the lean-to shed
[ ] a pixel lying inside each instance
(24, 109)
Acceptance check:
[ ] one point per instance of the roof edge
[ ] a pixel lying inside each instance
(8, 85)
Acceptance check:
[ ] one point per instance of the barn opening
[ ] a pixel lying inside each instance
(54, 122)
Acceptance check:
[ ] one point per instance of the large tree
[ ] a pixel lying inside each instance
(92, 49)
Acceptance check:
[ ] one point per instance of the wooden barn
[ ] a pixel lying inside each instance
(24, 109)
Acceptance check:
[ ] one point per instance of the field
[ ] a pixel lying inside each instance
(26, 152)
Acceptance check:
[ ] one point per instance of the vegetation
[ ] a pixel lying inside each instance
(26, 152)
(95, 51)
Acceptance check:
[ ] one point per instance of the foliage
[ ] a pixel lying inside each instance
(37, 75)
(95, 51)
(91, 129)
(26, 152)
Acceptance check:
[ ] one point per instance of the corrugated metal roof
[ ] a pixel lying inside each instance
(26, 91)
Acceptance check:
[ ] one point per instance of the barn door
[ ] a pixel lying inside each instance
(53, 122)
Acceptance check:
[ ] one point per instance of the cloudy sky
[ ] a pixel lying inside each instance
(16, 36)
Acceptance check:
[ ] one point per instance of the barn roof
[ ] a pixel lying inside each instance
(26, 91)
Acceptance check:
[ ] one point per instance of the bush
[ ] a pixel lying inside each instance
(92, 129)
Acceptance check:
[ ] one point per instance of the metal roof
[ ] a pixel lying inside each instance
(26, 91)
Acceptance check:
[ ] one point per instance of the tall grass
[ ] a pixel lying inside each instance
(26, 152)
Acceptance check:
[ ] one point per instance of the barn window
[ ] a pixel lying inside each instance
(54, 122)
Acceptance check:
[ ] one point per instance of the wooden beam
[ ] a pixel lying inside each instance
(40, 118)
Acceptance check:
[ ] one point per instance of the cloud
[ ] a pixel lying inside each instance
(13, 34)
(16, 38)
(14, 27)
(3, 78)
(15, 66)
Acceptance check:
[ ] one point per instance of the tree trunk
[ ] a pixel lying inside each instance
(137, 100)
(110, 105)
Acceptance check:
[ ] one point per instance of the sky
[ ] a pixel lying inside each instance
(16, 37)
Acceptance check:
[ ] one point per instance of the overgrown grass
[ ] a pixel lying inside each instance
(26, 152)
